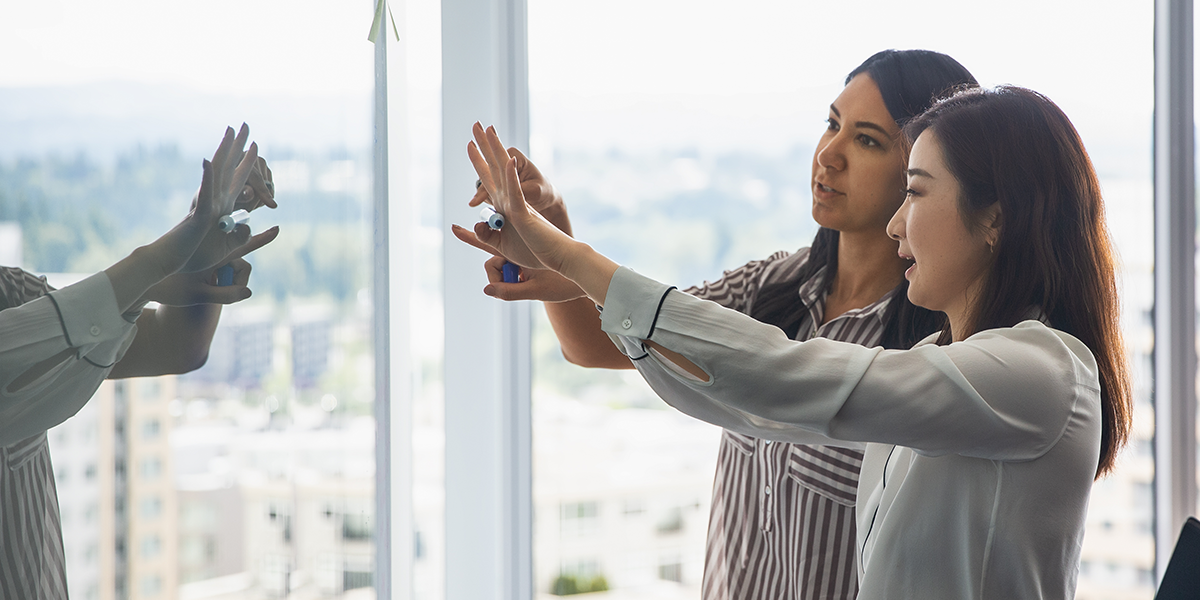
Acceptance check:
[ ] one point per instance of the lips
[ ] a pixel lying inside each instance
(909, 270)
(823, 191)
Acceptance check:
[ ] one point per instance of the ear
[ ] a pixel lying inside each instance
(992, 221)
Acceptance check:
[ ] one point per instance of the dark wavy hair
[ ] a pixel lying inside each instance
(1014, 146)
(910, 81)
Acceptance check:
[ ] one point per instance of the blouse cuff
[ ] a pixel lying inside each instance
(631, 304)
(91, 319)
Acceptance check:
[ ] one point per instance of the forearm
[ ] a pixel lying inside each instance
(556, 213)
(170, 340)
(577, 326)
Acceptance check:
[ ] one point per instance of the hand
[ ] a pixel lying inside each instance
(536, 284)
(196, 243)
(538, 192)
(189, 289)
(259, 189)
(529, 240)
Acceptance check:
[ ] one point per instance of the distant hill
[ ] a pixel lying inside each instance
(102, 119)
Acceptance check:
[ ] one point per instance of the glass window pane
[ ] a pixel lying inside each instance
(682, 140)
(253, 475)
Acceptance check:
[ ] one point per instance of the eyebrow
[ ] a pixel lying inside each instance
(918, 173)
(862, 124)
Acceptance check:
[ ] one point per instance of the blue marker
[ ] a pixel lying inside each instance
(512, 273)
(225, 275)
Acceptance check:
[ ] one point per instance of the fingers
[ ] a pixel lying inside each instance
(241, 272)
(480, 197)
(268, 182)
(470, 238)
(513, 190)
(498, 155)
(244, 168)
(259, 190)
(256, 242)
(525, 166)
(482, 168)
(236, 239)
(203, 200)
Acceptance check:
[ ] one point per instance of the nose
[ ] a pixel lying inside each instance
(832, 155)
(896, 227)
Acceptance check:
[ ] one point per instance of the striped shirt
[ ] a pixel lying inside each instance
(32, 563)
(782, 524)
(83, 318)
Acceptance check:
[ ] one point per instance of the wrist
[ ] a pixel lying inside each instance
(590, 270)
(556, 214)
(132, 276)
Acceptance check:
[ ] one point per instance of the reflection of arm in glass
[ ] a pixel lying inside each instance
(57, 348)
(175, 337)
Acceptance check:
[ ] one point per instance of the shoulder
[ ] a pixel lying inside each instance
(734, 286)
(1032, 355)
(18, 286)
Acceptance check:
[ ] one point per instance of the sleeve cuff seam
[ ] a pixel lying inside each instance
(657, 311)
(61, 321)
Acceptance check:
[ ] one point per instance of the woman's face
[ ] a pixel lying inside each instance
(858, 168)
(949, 260)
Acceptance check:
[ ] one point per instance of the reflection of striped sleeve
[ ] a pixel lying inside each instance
(32, 562)
(782, 521)
(18, 287)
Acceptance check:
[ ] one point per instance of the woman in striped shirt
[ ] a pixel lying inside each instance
(782, 519)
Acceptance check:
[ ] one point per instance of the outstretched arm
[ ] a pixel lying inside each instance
(175, 337)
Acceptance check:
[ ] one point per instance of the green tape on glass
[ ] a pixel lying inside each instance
(380, 7)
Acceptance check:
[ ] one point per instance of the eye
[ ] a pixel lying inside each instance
(868, 141)
(911, 192)
(833, 125)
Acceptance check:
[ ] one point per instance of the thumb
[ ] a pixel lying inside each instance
(229, 294)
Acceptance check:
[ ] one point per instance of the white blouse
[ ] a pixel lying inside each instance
(979, 455)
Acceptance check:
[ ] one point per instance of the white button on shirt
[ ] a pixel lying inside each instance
(987, 433)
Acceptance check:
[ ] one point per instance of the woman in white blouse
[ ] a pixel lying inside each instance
(56, 346)
(983, 440)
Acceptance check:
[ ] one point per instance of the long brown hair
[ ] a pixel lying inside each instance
(909, 81)
(1016, 147)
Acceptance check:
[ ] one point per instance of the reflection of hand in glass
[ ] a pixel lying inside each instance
(259, 189)
(196, 244)
(190, 289)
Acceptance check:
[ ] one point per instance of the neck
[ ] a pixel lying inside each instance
(868, 267)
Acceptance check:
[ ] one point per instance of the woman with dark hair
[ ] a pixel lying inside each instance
(982, 441)
(782, 519)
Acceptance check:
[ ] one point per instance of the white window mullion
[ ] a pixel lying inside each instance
(1174, 275)
(487, 367)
